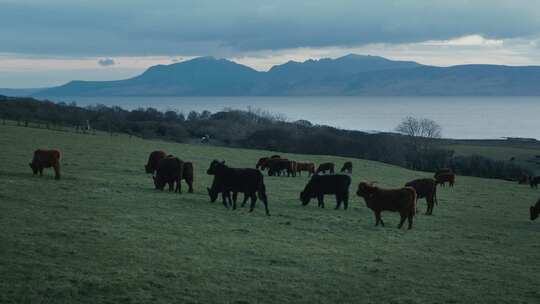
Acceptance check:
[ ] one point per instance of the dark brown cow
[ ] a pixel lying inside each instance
(153, 160)
(534, 181)
(169, 171)
(347, 167)
(309, 167)
(325, 167)
(444, 178)
(277, 166)
(402, 200)
(425, 188)
(535, 210)
(46, 159)
(187, 175)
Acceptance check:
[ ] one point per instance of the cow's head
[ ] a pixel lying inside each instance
(213, 194)
(34, 168)
(158, 183)
(305, 198)
(534, 213)
(148, 169)
(366, 190)
(216, 167)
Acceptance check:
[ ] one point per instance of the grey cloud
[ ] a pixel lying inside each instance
(195, 27)
(106, 62)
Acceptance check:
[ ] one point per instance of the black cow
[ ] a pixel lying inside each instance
(248, 181)
(278, 166)
(169, 171)
(534, 181)
(347, 167)
(535, 210)
(319, 185)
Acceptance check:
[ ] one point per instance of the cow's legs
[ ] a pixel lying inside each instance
(338, 201)
(378, 218)
(346, 201)
(56, 171)
(40, 171)
(403, 218)
(430, 204)
(320, 199)
(253, 197)
(190, 186)
(410, 219)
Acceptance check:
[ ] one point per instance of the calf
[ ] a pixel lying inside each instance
(402, 200)
(46, 159)
(325, 167)
(535, 210)
(444, 178)
(534, 181)
(425, 188)
(153, 160)
(319, 185)
(309, 167)
(169, 171)
(248, 181)
(347, 167)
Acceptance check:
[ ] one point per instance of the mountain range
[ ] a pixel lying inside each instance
(348, 75)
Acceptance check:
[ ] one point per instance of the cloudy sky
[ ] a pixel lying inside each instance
(44, 43)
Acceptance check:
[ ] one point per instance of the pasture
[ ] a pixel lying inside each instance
(102, 234)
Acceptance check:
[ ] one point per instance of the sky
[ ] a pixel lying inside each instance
(46, 43)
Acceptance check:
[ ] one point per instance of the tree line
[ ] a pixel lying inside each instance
(256, 129)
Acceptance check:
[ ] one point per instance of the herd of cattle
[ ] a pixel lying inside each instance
(170, 170)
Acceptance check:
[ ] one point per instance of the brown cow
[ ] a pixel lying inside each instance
(347, 167)
(46, 159)
(153, 160)
(443, 178)
(402, 200)
(535, 210)
(534, 181)
(325, 167)
(425, 188)
(187, 175)
(261, 163)
(309, 167)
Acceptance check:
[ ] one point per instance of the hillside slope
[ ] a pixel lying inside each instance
(102, 234)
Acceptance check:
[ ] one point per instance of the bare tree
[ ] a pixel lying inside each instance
(421, 132)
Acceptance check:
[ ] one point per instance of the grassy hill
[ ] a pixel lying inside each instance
(103, 234)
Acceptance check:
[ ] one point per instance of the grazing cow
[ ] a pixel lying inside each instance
(46, 159)
(187, 175)
(319, 185)
(153, 160)
(535, 210)
(248, 181)
(217, 188)
(309, 167)
(443, 178)
(325, 167)
(377, 199)
(534, 181)
(425, 188)
(278, 165)
(347, 167)
(169, 171)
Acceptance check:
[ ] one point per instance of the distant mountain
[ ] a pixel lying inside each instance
(348, 75)
(19, 92)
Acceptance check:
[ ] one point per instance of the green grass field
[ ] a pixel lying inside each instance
(102, 234)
